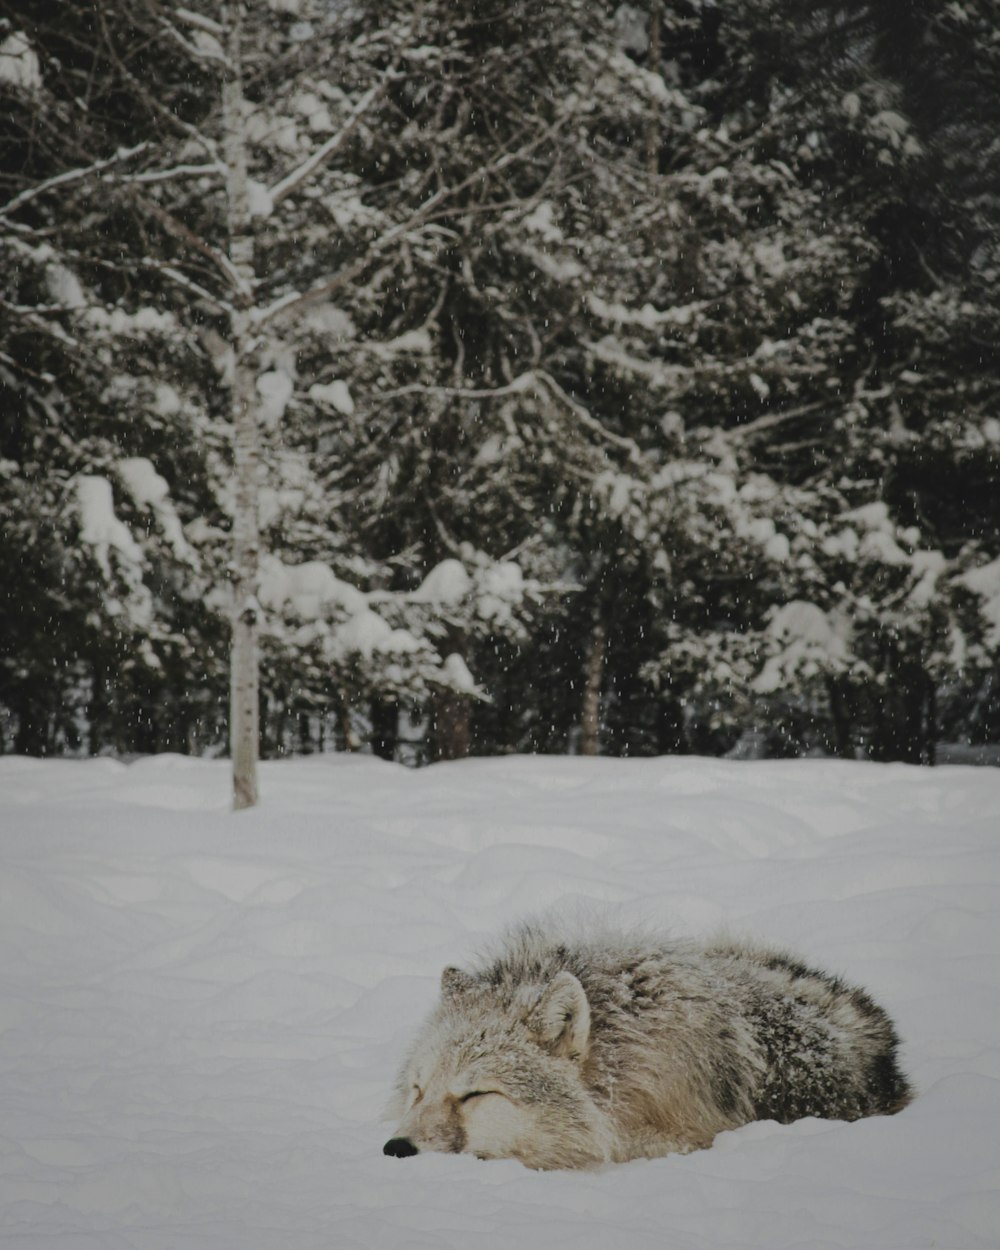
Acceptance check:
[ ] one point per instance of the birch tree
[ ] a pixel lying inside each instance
(240, 163)
(244, 726)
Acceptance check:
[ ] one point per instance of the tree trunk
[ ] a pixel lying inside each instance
(931, 725)
(97, 709)
(653, 65)
(590, 712)
(244, 729)
(347, 735)
(29, 738)
(450, 734)
(451, 726)
(385, 727)
(839, 714)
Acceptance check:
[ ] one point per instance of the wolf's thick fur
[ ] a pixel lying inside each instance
(568, 1051)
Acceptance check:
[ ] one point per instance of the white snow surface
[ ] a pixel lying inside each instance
(19, 63)
(201, 1012)
(985, 581)
(259, 199)
(446, 584)
(458, 677)
(336, 394)
(809, 641)
(100, 529)
(150, 490)
(275, 389)
(64, 286)
(310, 588)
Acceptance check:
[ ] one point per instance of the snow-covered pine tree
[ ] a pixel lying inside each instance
(865, 213)
(550, 326)
(97, 625)
(903, 141)
(579, 336)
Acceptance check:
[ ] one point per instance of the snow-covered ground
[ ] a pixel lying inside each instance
(201, 1013)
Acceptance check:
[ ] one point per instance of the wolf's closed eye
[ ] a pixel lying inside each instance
(481, 1093)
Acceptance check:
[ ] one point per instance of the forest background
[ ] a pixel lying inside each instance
(623, 378)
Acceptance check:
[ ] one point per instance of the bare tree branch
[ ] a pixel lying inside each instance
(167, 175)
(533, 379)
(520, 384)
(771, 419)
(333, 145)
(585, 418)
(424, 212)
(71, 176)
(186, 235)
(204, 53)
(202, 23)
(193, 288)
(150, 99)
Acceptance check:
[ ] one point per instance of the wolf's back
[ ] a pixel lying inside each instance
(828, 1049)
(763, 1035)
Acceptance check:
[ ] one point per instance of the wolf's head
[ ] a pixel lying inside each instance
(497, 1071)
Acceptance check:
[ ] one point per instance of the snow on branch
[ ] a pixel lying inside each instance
(32, 316)
(771, 419)
(193, 288)
(532, 379)
(586, 419)
(70, 176)
(423, 214)
(521, 383)
(167, 175)
(19, 65)
(333, 145)
(205, 47)
(647, 317)
(202, 23)
(194, 241)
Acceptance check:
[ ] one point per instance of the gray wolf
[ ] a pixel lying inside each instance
(569, 1051)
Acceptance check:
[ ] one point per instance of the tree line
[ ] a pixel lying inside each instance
(550, 376)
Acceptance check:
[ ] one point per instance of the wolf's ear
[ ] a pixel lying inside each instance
(561, 1017)
(454, 982)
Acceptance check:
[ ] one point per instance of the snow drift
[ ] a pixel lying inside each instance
(201, 1013)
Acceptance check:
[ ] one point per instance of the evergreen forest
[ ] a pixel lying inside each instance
(622, 378)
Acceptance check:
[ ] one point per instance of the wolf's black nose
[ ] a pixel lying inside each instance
(400, 1147)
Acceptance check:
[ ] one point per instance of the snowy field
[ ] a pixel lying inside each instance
(201, 1013)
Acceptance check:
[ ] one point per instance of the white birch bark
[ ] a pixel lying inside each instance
(244, 730)
(590, 714)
